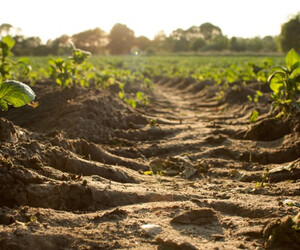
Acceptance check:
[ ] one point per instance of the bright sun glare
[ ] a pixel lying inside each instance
(234, 17)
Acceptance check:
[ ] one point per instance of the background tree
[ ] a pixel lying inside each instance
(27, 46)
(193, 33)
(254, 44)
(197, 44)
(160, 42)
(210, 31)
(94, 40)
(178, 40)
(121, 39)
(219, 43)
(237, 44)
(142, 43)
(59, 46)
(213, 37)
(269, 44)
(290, 34)
(5, 29)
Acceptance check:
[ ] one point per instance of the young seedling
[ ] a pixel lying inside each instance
(74, 70)
(152, 122)
(6, 45)
(142, 98)
(254, 116)
(61, 71)
(255, 113)
(265, 181)
(123, 96)
(10, 69)
(285, 83)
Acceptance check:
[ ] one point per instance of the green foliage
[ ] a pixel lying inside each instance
(205, 37)
(142, 42)
(262, 71)
(256, 96)
(254, 116)
(24, 66)
(75, 70)
(290, 34)
(121, 39)
(124, 97)
(264, 181)
(10, 69)
(61, 71)
(79, 56)
(90, 40)
(6, 45)
(134, 75)
(142, 98)
(255, 113)
(285, 84)
(15, 93)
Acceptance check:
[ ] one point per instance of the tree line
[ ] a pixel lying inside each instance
(122, 40)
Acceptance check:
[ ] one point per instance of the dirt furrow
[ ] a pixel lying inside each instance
(186, 172)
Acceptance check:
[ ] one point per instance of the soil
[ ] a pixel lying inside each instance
(77, 171)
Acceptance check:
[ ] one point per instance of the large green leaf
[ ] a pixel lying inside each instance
(15, 93)
(276, 83)
(292, 60)
(3, 105)
(9, 41)
(276, 74)
(295, 73)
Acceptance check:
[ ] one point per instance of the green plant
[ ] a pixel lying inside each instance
(15, 93)
(264, 181)
(254, 116)
(74, 70)
(10, 69)
(123, 96)
(6, 44)
(104, 78)
(79, 56)
(142, 98)
(255, 97)
(285, 83)
(291, 203)
(152, 122)
(24, 70)
(60, 69)
(255, 113)
(262, 71)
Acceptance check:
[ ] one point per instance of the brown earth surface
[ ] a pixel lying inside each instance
(72, 172)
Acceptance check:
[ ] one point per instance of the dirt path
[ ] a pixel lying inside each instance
(72, 174)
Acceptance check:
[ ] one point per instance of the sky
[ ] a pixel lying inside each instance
(53, 18)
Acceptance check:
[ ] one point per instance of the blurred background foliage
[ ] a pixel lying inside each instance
(122, 40)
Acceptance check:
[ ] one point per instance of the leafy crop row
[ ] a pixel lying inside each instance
(74, 70)
(127, 72)
(225, 72)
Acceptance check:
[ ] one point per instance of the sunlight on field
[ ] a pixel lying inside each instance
(110, 140)
(236, 18)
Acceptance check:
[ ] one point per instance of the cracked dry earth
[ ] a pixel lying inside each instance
(72, 172)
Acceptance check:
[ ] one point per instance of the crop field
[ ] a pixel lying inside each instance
(150, 152)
